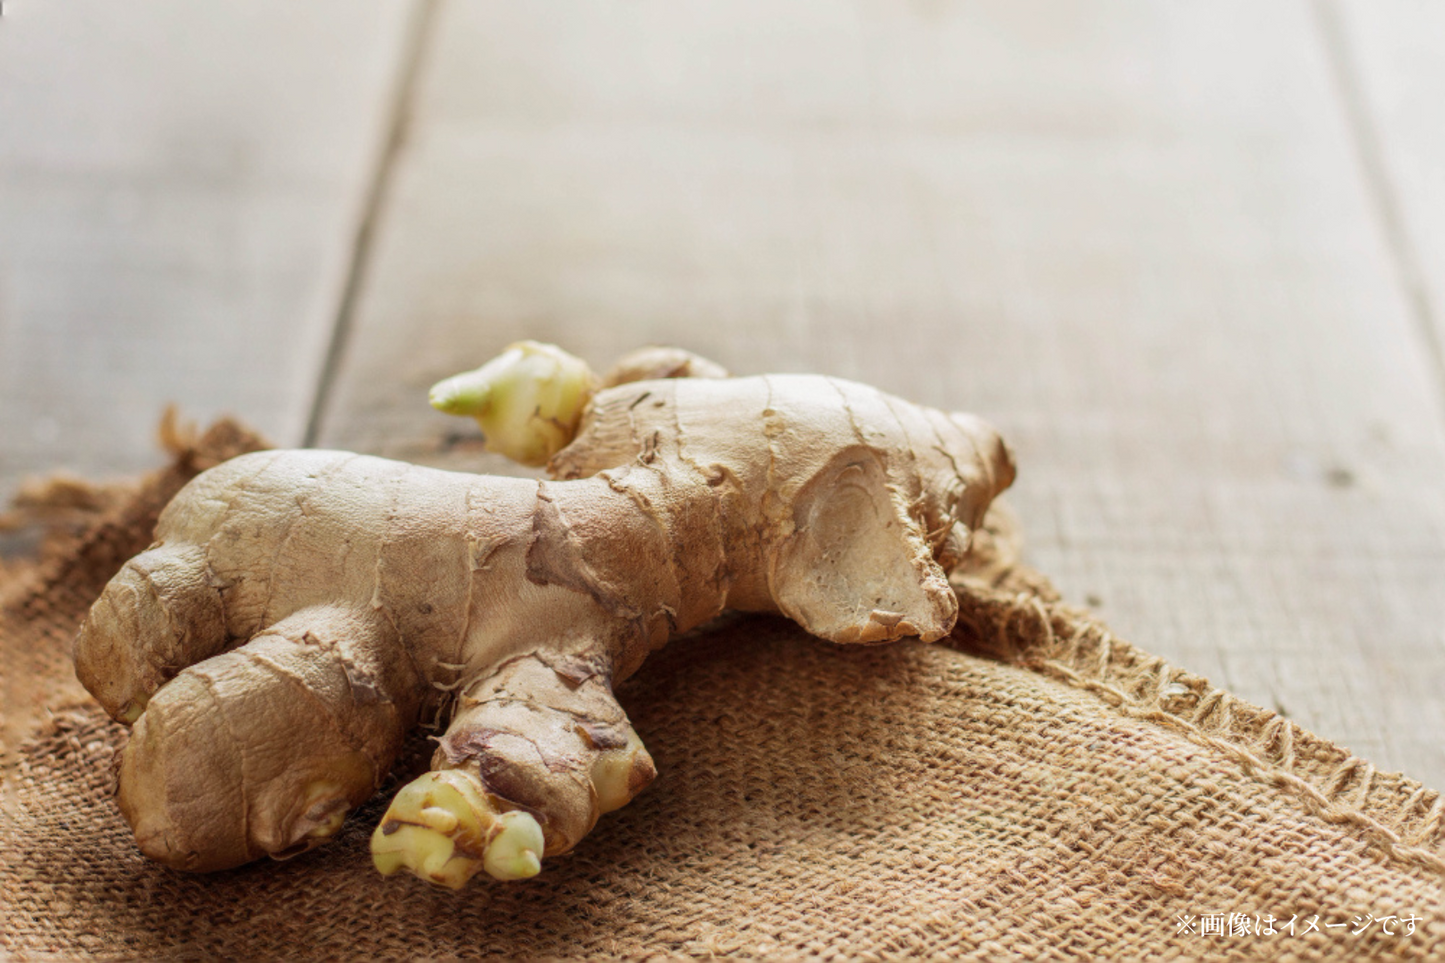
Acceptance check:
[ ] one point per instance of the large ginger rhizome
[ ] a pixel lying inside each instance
(301, 612)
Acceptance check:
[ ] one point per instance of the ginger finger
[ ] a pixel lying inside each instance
(159, 615)
(265, 749)
(542, 737)
(652, 363)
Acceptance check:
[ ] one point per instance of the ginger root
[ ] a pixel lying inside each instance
(300, 612)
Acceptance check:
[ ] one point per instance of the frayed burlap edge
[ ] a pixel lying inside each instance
(1012, 613)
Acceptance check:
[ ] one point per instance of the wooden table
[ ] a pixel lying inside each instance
(1190, 257)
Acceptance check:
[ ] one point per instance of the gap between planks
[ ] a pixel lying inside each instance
(419, 34)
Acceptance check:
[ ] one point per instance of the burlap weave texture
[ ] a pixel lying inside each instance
(1032, 788)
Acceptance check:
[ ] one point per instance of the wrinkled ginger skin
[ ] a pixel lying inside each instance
(301, 611)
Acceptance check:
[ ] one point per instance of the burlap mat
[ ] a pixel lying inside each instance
(1034, 788)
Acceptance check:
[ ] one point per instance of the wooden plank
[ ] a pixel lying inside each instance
(1134, 235)
(1390, 58)
(180, 187)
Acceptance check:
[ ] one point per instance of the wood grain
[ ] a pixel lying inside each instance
(1391, 74)
(1137, 236)
(180, 187)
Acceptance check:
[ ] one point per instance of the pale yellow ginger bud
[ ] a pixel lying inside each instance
(527, 400)
(443, 828)
(613, 775)
(516, 851)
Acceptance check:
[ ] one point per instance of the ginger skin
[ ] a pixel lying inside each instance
(302, 611)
